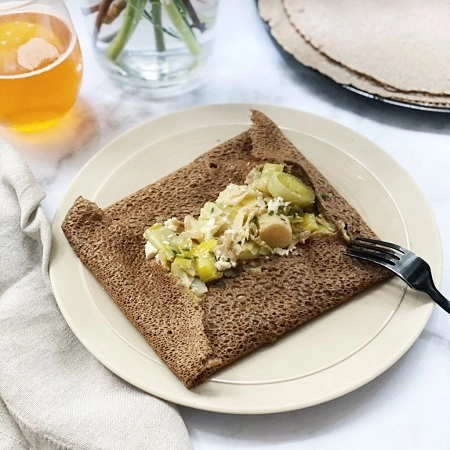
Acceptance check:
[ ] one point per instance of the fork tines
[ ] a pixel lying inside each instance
(412, 269)
(375, 251)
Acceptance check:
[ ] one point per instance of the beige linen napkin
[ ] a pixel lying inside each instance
(53, 393)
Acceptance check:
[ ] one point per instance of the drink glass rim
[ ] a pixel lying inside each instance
(9, 5)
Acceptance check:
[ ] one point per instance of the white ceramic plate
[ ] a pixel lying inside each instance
(332, 355)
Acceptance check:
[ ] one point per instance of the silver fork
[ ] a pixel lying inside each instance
(404, 263)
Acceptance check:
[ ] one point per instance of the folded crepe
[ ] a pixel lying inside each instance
(239, 313)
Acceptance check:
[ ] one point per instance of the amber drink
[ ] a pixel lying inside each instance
(40, 64)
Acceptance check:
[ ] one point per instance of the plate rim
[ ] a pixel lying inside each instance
(230, 110)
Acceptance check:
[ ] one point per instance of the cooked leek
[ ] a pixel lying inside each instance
(268, 172)
(290, 189)
(205, 268)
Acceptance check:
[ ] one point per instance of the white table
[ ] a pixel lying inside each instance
(406, 407)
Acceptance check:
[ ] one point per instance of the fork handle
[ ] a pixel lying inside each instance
(438, 298)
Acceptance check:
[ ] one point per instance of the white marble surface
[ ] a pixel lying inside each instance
(406, 407)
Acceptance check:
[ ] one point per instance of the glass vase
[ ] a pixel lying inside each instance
(161, 45)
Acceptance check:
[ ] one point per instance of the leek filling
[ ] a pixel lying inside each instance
(270, 214)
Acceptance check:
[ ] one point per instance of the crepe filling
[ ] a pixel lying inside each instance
(270, 213)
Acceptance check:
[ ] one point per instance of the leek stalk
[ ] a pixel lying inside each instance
(133, 14)
(134, 11)
(157, 25)
(182, 27)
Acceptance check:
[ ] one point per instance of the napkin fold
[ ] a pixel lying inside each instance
(53, 393)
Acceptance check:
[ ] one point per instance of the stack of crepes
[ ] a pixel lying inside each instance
(239, 313)
(396, 50)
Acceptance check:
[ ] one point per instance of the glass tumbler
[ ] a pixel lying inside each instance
(40, 63)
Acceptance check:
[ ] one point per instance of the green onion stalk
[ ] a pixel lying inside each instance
(178, 11)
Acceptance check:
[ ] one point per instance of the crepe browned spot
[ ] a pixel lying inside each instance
(239, 313)
(287, 30)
